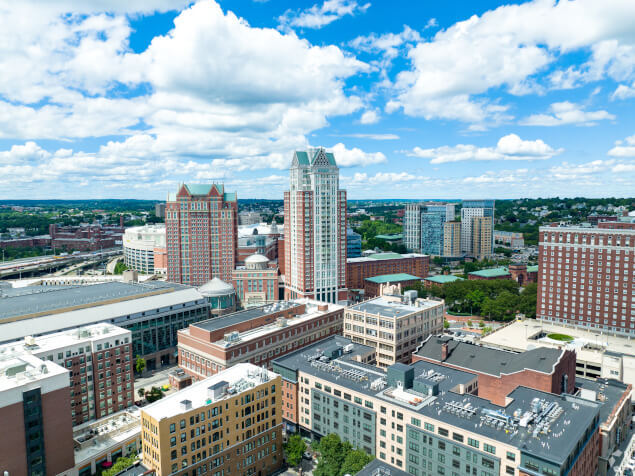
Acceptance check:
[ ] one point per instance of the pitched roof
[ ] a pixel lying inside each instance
(491, 272)
(489, 360)
(391, 278)
(444, 278)
(309, 157)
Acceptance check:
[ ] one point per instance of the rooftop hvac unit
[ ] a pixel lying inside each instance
(185, 405)
(29, 340)
(348, 348)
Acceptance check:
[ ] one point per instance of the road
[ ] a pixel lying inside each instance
(156, 379)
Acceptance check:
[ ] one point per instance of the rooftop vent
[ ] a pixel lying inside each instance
(186, 405)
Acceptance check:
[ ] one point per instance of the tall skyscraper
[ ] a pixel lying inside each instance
(452, 239)
(470, 210)
(201, 234)
(424, 227)
(315, 229)
(585, 277)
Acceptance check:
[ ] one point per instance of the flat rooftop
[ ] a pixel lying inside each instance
(387, 308)
(488, 360)
(564, 418)
(384, 256)
(42, 299)
(236, 379)
(97, 437)
(491, 272)
(229, 320)
(392, 278)
(444, 278)
(588, 343)
(607, 392)
(18, 368)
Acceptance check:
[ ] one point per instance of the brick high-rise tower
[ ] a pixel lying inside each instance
(201, 234)
(315, 229)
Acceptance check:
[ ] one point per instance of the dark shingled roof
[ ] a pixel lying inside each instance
(488, 360)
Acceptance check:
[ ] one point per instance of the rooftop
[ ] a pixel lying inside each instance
(607, 392)
(396, 236)
(384, 256)
(379, 468)
(488, 360)
(223, 385)
(392, 278)
(491, 272)
(545, 425)
(19, 368)
(97, 437)
(443, 278)
(389, 308)
(229, 320)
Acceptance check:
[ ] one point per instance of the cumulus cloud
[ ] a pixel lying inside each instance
(369, 117)
(355, 156)
(562, 113)
(624, 91)
(509, 147)
(374, 136)
(319, 16)
(625, 148)
(506, 48)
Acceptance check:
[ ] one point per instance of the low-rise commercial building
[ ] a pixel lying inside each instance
(500, 372)
(393, 326)
(144, 249)
(35, 411)
(490, 273)
(229, 423)
(359, 269)
(373, 286)
(423, 418)
(441, 280)
(257, 335)
(153, 311)
(99, 359)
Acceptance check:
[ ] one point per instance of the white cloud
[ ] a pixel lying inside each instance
(370, 117)
(388, 44)
(355, 156)
(562, 113)
(374, 136)
(506, 48)
(319, 16)
(624, 91)
(509, 147)
(624, 148)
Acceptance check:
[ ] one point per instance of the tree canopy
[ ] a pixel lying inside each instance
(338, 458)
(294, 449)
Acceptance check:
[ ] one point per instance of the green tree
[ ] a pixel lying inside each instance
(446, 324)
(354, 462)
(332, 455)
(141, 392)
(140, 364)
(294, 449)
(154, 394)
(120, 267)
(120, 465)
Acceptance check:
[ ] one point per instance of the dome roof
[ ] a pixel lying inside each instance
(256, 259)
(216, 287)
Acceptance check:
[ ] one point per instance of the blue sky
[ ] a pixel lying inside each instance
(418, 99)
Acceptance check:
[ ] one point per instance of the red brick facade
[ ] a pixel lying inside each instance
(357, 270)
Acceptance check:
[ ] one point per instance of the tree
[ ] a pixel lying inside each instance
(446, 324)
(121, 464)
(294, 449)
(354, 462)
(141, 392)
(120, 267)
(154, 394)
(469, 323)
(140, 365)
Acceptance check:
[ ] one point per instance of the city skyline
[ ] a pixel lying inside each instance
(413, 99)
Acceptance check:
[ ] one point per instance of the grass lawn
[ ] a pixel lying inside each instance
(560, 337)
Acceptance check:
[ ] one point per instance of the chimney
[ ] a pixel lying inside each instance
(444, 351)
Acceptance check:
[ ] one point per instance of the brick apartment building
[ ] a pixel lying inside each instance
(359, 269)
(99, 360)
(257, 335)
(586, 277)
(86, 237)
(500, 372)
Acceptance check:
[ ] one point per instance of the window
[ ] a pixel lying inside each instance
(428, 426)
(457, 437)
(443, 432)
(489, 448)
(415, 421)
(172, 427)
(472, 442)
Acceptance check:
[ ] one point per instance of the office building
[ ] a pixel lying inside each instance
(423, 418)
(35, 411)
(353, 244)
(230, 423)
(586, 278)
(475, 230)
(201, 225)
(249, 218)
(152, 311)
(144, 249)
(99, 360)
(378, 264)
(256, 283)
(159, 209)
(393, 326)
(424, 227)
(452, 239)
(256, 335)
(315, 229)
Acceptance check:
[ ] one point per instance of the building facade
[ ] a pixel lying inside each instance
(393, 327)
(227, 424)
(424, 230)
(452, 239)
(315, 229)
(256, 283)
(470, 210)
(424, 418)
(99, 359)
(359, 269)
(586, 278)
(144, 249)
(202, 237)
(509, 238)
(353, 244)
(35, 411)
(482, 241)
(256, 335)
